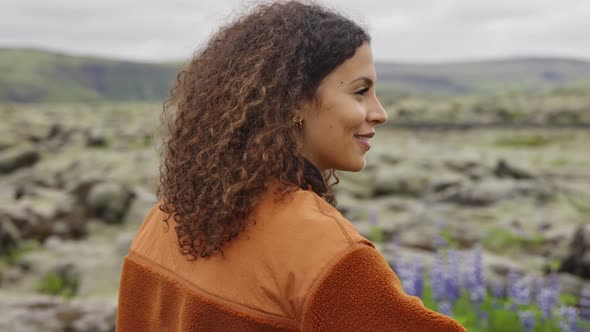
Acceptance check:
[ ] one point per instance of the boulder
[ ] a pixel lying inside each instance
(109, 201)
(48, 172)
(8, 139)
(39, 127)
(9, 236)
(444, 182)
(143, 200)
(350, 207)
(480, 193)
(388, 158)
(42, 212)
(32, 313)
(403, 181)
(504, 169)
(489, 191)
(18, 157)
(472, 169)
(96, 137)
(90, 315)
(357, 185)
(124, 241)
(577, 261)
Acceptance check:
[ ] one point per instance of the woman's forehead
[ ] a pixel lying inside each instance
(355, 68)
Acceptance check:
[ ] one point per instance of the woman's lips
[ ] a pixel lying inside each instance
(364, 142)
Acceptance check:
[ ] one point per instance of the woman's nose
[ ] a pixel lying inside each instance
(377, 113)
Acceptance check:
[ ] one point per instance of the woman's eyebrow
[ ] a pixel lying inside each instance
(367, 80)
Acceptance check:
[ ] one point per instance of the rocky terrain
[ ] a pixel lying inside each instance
(76, 181)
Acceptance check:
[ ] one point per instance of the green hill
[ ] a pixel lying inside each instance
(486, 77)
(30, 75)
(39, 76)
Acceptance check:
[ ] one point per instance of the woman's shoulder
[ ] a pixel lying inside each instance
(294, 241)
(283, 251)
(304, 212)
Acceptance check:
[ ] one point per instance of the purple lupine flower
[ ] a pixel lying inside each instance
(545, 302)
(497, 293)
(512, 280)
(398, 266)
(519, 291)
(439, 241)
(527, 320)
(475, 282)
(403, 270)
(418, 277)
(569, 319)
(445, 308)
(483, 320)
(373, 216)
(478, 264)
(394, 244)
(453, 288)
(498, 289)
(437, 277)
(467, 269)
(554, 285)
(537, 286)
(585, 304)
(522, 292)
(412, 277)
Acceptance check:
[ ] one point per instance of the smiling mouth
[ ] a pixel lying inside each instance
(367, 135)
(363, 141)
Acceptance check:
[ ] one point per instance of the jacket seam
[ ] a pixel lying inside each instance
(146, 262)
(337, 220)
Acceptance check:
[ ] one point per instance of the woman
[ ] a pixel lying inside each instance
(245, 236)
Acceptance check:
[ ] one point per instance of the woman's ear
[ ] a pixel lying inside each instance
(303, 110)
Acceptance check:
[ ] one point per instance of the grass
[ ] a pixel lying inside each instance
(579, 205)
(14, 254)
(57, 284)
(52, 283)
(523, 141)
(376, 234)
(503, 241)
(502, 313)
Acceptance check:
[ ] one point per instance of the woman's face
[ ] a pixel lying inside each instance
(337, 129)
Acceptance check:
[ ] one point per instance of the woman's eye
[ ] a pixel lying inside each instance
(362, 92)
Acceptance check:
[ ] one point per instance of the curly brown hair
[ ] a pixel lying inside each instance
(229, 117)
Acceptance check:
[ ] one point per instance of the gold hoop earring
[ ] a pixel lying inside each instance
(298, 122)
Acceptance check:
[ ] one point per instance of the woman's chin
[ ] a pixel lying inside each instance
(356, 166)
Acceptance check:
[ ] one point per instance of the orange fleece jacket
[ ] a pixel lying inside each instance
(301, 267)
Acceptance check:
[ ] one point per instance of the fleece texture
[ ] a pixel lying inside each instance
(155, 300)
(360, 292)
(301, 267)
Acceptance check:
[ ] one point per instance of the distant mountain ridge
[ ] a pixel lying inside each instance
(31, 75)
(527, 74)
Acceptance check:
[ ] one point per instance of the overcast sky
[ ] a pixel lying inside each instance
(402, 30)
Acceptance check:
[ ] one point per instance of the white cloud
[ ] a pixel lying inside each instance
(410, 31)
